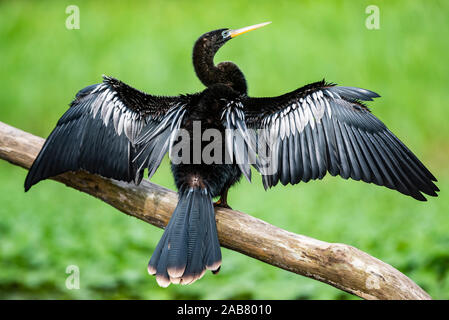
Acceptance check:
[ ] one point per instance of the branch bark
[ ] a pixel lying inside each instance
(339, 265)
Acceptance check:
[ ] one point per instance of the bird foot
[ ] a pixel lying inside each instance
(222, 204)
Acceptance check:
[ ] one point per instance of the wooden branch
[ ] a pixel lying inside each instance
(339, 265)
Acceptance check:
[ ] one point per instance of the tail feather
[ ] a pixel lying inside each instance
(213, 255)
(189, 245)
(177, 253)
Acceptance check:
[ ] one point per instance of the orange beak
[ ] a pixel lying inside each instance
(237, 32)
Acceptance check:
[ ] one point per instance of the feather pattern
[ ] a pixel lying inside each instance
(110, 129)
(189, 245)
(239, 141)
(326, 128)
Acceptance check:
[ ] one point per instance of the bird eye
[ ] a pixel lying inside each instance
(226, 34)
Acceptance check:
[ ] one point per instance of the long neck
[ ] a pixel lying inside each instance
(226, 72)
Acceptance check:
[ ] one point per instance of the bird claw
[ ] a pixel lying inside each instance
(222, 204)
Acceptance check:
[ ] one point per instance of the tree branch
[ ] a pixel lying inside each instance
(339, 265)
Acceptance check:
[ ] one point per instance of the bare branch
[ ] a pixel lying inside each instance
(339, 265)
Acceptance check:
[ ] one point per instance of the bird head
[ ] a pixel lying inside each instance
(204, 51)
(221, 36)
(229, 34)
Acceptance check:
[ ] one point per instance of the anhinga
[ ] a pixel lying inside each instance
(117, 131)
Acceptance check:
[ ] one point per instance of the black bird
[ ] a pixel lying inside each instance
(117, 131)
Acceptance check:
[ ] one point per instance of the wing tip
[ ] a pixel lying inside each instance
(27, 186)
(355, 93)
(31, 179)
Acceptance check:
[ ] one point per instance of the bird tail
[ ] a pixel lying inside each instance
(189, 245)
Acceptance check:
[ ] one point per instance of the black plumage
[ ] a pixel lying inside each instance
(117, 131)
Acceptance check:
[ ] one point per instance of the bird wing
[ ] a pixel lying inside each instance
(110, 129)
(324, 128)
(240, 142)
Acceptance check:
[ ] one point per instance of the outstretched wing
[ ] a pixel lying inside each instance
(324, 128)
(240, 142)
(110, 129)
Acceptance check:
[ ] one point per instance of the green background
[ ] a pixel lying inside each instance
(148, 45)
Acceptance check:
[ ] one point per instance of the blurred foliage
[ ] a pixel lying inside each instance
(148, 45)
